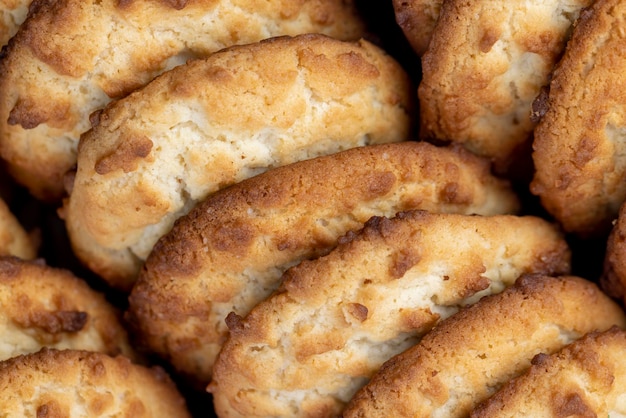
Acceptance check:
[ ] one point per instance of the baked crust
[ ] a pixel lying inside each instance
(584, 379)
(486, 63)
(43, 306)
(310, 346)
(417, 19)
(579, 145)
(229, 252)
(470, 355)
(64, 383)
(203, 126)
(71, 57)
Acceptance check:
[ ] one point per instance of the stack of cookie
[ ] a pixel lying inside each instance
(264, 209)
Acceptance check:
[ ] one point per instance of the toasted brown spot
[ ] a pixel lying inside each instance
(176, 4)
(381, 184)
(402, 262)
(571, 405)
(356, 64)
(418, 319)
(540, 105)
(357, 311)
(51, 410)
(126, 157)
(234, 322)
(234, 237)
(54, 322)
(315, 344)
(489, 38)
(29, 114)
(586, 151)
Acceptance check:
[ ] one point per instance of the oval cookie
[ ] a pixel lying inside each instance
(579, 144)
(229, 252)
(43, 306)
(587, 378)
(311, 345)
(71, 57)
(486, 63)
(469, 355)
(202, 126)
(74, 383)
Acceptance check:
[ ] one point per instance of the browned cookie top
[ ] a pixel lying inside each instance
(580, 147)
(468, 356)
(229, 252)
(333, 322)
(75, 383)
(200, 127)
(71, 57)
(44, 306)
(587, 378)
(486, 63)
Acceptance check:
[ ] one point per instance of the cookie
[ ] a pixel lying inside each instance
(43, 306)
(417, 19)
(72, 57)
(585, 379)
(14, 240)
(230, 251)
(578, 145)
(311, 345)
(13, 15)
(471, 354)
(74, 383)
(200, 127)
(486, 63)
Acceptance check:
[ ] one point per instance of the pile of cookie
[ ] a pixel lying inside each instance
(292, 209)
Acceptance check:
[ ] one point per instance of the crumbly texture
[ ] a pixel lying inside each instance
(12, 15)
(44, 306)
(203, 126)
(71, 57)
(470, 355)
(308, 348)
(585, 379)
(579, 146)
(486, 63)
(417, 19)
(230, 251)
(14, 240)
(73, 383)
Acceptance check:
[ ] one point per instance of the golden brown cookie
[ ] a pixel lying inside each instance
(14, 239)
(417, 19)
(13, 13)
(471, 354)
(333, 322)
(587, 378)
(44, 306)
(74, 383)
(230, 251)
(154, 155)
(486, 63)
(579, 144)
(71, 57)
